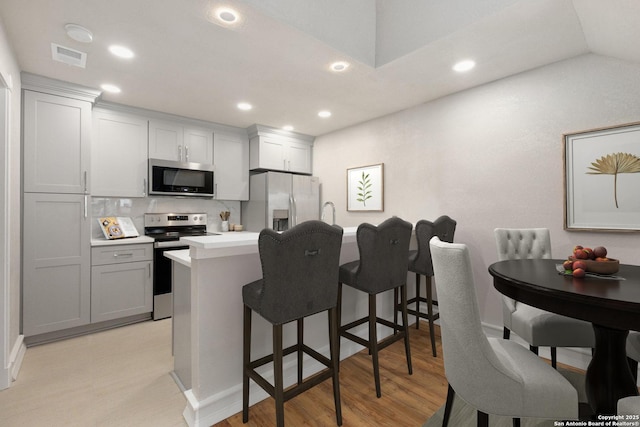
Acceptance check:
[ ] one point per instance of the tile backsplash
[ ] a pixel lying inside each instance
(135, 208)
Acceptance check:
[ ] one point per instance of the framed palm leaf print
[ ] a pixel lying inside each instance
(602, 179)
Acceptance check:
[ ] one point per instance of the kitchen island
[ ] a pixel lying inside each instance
(208, 312)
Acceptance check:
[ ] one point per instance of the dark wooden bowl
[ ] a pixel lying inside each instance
(610, 266)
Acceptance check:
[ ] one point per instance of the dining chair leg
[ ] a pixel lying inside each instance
(554, 357)
(300, 352)
(418, 301)
(432, 332)
(448, 405)
(516, 422)
(483, 419)
(405, 324)
(506, 333)
(246, 360)
(334, 336)
(373, 341)
(278, 375)
(534, 349)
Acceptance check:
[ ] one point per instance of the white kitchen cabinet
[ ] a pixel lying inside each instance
(231, 165)
(272, 149)
(56, 262)
(121, 281)
(183, 143)
(119, 155)
(56, 132)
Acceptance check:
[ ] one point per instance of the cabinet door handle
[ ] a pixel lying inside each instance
(127, 254)
(85, 183)
(144, 187)
(180, 152)
(215, 190)
(186, 153)
(149, 270)
(86, 208)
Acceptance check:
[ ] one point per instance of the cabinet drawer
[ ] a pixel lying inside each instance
(121, 253)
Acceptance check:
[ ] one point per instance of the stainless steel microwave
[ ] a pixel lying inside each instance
(171, 178)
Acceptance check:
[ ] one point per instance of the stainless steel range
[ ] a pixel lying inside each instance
(167, 229)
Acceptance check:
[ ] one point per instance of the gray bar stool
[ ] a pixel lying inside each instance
(300, 278)
(420, 263)
(382, 266)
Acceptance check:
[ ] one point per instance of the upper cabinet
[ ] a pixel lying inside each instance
(273, 149)
(231, 163)
(57, 143)
(174, 141)
(119, 154)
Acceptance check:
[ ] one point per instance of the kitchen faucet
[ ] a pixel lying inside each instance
(333, 210)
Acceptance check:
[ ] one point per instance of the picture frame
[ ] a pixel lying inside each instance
(365, 188)
(601, 179)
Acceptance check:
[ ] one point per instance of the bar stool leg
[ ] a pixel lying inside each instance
(339, 318)
(334, 336)
(430, 314)
(373, 339)
(246, 359)
(418, 300)
(300, 352)
(277, 374)
(405, 322)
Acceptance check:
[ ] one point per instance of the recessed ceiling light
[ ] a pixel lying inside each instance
(121, 51)
(226, 15)
(324, 113)
(79, 33)
(245, 106)
(287, 127)
(339, 66)
(110, 88)
(465, 65)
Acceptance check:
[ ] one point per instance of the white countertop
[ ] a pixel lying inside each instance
(235, 243)
(180, 255)
(126, 241)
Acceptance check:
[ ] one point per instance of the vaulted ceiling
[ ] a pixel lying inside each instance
(277, 56)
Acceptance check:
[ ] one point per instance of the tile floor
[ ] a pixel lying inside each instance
(119, 377)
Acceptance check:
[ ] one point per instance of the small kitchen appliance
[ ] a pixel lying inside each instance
(166, 230)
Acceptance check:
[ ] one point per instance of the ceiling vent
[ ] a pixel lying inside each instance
(68, 56)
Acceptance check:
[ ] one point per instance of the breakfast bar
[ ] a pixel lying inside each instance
(207, 342)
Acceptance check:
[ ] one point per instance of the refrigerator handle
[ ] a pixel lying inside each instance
(294, 211)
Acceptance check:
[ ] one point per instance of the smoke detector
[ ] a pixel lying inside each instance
(68, 56)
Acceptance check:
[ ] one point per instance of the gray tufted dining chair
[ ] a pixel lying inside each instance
(299, 279)
(537, 327)
(495, 376)
(382, 267)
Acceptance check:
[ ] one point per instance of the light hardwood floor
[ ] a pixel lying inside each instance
(121, 378)
(113, 378)
(407, 400)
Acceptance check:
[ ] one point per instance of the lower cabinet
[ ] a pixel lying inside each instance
(121, 281)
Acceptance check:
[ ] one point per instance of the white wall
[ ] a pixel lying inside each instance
(10, 216)
(489, 157)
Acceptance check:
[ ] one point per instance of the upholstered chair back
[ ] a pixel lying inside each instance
(300, 271)
(384, 255)
(444, 227)
(526, 243)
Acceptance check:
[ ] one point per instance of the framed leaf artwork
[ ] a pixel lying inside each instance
(365, 188)
(602, 179)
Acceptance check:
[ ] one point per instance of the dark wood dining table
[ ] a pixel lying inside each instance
(611, 304)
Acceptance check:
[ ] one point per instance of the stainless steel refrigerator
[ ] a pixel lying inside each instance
(280, 201)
